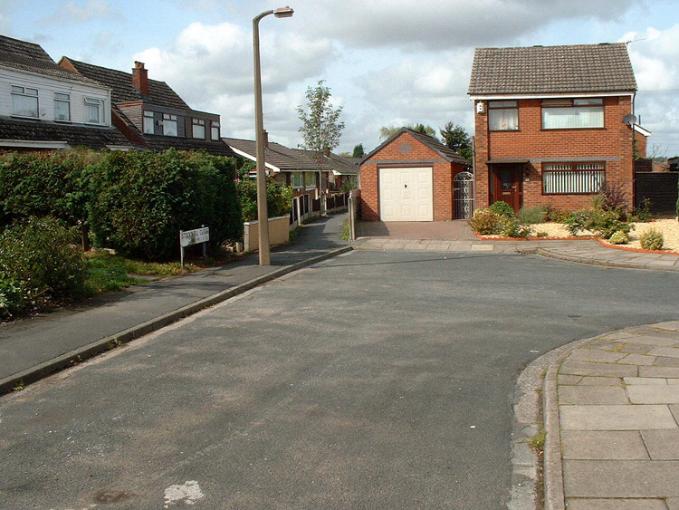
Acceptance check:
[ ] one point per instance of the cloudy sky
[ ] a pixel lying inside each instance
(388, 62)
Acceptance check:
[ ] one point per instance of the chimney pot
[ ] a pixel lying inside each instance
(140, 78)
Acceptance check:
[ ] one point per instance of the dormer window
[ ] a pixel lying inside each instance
(169, 124)
(214, 131)
(24, 102)
(62, 107)
(94, 111)
(199, 128)
(149, 123)
(503, 115)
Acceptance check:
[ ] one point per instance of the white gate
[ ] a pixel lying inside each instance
(463, 192)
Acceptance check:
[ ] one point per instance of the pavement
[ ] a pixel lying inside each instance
(28, 344)
(377, 379)
(618, 427)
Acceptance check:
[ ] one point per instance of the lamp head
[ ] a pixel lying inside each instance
(283, 12)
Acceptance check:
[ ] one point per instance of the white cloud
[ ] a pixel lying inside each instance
(210, 66)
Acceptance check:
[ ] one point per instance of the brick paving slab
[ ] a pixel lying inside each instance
(619, 424)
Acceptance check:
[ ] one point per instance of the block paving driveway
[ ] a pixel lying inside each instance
(373, 380)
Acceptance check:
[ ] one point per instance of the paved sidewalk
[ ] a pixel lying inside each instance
(28, 343)
(618, 404)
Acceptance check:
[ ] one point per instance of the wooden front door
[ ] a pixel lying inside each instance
(508, 185)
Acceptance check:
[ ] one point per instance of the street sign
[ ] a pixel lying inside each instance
(191, 237)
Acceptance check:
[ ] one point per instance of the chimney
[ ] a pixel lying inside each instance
(140, 78)
(265, 137)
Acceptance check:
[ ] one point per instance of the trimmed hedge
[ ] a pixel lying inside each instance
(140, 201)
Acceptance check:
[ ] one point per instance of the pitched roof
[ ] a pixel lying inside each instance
(278, 155)
(442, 150)
(161, 143)
(31, 57)
(343, 165)
(75, 136)
(160, 93)
(579, 68)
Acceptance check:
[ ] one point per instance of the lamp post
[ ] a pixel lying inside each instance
(262, 212)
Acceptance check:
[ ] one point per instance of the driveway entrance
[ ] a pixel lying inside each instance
(457, 230)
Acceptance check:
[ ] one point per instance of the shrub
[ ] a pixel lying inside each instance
(620, 237)
(38, 264)
(502, 208)
(599, 222)
(142, 199)
(278, 199)
(532, 215)
(643, 213)
(612, 197)
(556, 215)
(652, 239)
(577, 221)
(485, 222)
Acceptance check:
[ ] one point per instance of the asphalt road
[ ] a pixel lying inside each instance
(374, 380)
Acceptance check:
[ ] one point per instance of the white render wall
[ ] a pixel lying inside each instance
(47, 86)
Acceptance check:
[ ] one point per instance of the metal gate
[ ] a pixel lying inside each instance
(463, 195)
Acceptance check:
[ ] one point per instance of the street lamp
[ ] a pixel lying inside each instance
(262, 212)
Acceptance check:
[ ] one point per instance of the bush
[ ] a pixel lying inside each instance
(620, 237)
(556, 215)
(532, 215)
(612, 197)
(485, 222)
(39, 263)
(652, 239)
(278, 199)
(510, 227)
(140, 201)
(503, 209)
(643, 213)
(599, 222)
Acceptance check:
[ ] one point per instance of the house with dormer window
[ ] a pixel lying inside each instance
(150, 113)
(44, 107)
(553, 124)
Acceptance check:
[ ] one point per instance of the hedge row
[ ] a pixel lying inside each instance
(135, 202)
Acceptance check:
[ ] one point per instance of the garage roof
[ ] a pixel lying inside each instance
(442, 150)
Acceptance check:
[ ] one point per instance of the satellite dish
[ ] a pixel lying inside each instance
(630, 119)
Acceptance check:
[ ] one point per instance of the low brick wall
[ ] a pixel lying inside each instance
(279, 233)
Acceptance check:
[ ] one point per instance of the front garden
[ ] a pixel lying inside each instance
(608, 219)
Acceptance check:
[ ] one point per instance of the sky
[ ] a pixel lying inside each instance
(387, 62)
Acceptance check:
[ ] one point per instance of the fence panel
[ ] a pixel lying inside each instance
(659, 188)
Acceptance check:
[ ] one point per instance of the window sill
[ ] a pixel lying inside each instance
(24, 117)
(504, 130)
(572, 129)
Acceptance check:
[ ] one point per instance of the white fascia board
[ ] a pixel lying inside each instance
(122, 148)
(641, 130)
(548, 96)
(34, 144)
(253, 158)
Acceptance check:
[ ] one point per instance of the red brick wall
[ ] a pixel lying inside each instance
(613, 144)
(443, 174)
(641, 143)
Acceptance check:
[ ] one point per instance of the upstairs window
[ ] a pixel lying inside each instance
(149, 123)
(62, 107)
(214, 131)
(297, 180)
(199, 128)
(169, 124)
(573, 178)
(586, 113)
(503, 115)
(25, 102)
(94, 111)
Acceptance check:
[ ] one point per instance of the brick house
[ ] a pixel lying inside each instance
(553, 124)
(409, 177)
(150, 113)
(45, 108)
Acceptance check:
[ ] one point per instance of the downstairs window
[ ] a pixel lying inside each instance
(573, 178)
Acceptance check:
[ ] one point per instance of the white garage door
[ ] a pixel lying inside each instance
(406, 194)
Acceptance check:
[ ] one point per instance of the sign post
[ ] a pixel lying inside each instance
(191, 237)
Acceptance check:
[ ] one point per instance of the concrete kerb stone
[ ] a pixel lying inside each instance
(623, 261)
(88, 351)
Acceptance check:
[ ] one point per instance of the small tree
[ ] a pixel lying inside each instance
(457, 138)
(389, 131)
(359, 152)
(321, 122)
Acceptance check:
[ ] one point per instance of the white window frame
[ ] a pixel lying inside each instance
(99, 103)
(200, 124)
(62, 98)
(21, 91)
(503, 107)
(214, 127)
(313, 178)
(170, 118)
(149, 116)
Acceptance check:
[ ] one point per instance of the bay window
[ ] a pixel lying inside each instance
(62, 107)
(24, 102)
(149, 123)
(169, 124)
(199, 128)
(584, 113)
(503, 115)
(573, 178)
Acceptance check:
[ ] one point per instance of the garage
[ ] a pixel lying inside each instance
(406, 194)
(409, 177)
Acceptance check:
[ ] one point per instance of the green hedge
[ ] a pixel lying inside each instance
(39, 264)
(140, 201)
(278, 199)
